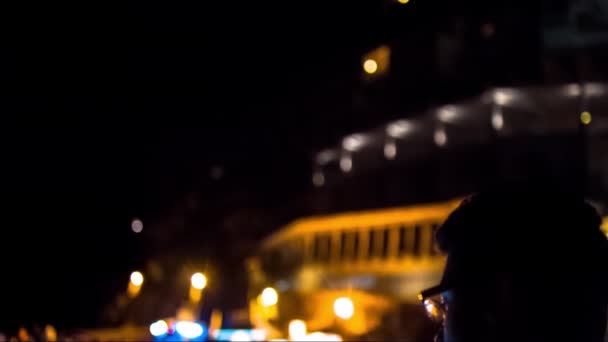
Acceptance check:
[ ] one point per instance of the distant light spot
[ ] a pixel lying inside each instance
(440, 137)
(390, 150)
(585, 118)
(137, 226)
(370, 66)
(318, 179)
(217, 172)
(346, 164)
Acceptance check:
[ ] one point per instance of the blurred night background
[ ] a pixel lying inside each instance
(204, 120)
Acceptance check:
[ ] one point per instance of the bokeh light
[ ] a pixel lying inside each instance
(137, 226)
(344, 308)
(198, 281)
(370, 66)
(137, 278)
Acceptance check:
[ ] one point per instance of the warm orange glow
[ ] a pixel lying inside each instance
(195, 294)
(403, 1)
(370, 66)
(432, 309)
(604, 226)
(384, 217)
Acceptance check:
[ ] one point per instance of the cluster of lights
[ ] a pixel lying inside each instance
(186, 329)
(446, 116)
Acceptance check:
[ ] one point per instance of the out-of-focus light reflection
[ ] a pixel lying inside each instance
(198, 281)
(403, 1)
(504, 97)
(322, 337)
(440, 137)
(159, 328)
(585, 118)
(370, 66)
(318, 179)
(346, 163)
(137, 226)
(344, 307)
(497, 118)
(269, 297)
(297, 330)
(137, 279)
(399, 129)
(432, 310)
(353, 142)
(189, 330)
(448, 114)
(390, 150)
(325, 157)
(573, 90)
(240, 336)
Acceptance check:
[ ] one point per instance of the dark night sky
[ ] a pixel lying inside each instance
(111, 112)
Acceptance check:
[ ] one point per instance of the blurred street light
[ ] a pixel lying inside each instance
(159, 328)
(390, 150)
(198, 282)
(497, 118)
(269, 297)
(135, 282)
(370, 66)
(137, 279)
(585, 118)
(344, 308)
(297, 330)
(440, 137)
(403, 1)
(137, 226)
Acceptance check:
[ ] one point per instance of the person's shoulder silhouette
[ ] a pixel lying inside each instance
(526, 262)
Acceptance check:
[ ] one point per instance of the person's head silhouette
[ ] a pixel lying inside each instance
(525, 263)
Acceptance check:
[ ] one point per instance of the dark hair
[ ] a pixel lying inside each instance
(544, 241)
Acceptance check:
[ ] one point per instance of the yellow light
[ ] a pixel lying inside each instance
(344, 308)
(198, 281)
(403, 1)
(586, 118)
(297, 330)
(370, 66)
(269, 297)
(137, 278)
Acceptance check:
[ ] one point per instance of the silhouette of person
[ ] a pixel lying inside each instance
(524, 263)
